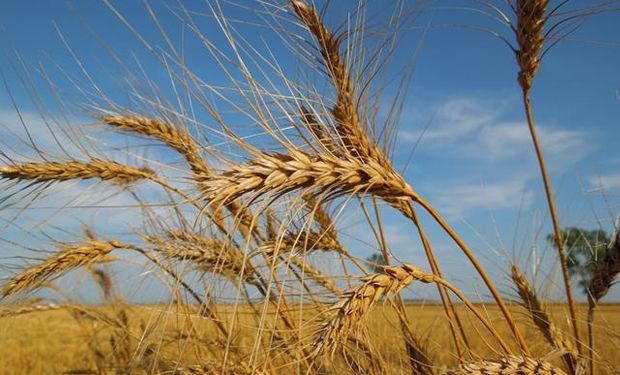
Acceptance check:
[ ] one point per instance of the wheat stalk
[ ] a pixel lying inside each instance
(70, 256)
(106, 170)
(511, 365)
(541, 318)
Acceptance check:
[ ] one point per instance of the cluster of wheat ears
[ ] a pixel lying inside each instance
(255, 220)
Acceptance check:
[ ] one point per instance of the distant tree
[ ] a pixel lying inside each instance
(375, 261)
(583, 248)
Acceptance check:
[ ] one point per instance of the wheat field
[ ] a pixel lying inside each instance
(55, 342)
(242, 189)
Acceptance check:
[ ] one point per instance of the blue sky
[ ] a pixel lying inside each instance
(474, 160)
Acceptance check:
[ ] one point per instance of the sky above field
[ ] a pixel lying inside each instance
(461, 140)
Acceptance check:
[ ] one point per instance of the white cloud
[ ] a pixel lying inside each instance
(460, 200)
(476, 128)
(454, 119)
(506, 140)
(611, 181)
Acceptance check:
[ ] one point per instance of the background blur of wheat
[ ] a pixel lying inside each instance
(244, 223)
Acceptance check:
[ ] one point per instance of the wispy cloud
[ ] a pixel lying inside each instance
(480, 129)
(455, 118)
(513, 139)
(460, 200)
(606, 182)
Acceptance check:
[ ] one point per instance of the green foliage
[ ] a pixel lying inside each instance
(375, 262)
(583, 247)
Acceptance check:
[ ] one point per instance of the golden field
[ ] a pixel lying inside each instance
(54, 342)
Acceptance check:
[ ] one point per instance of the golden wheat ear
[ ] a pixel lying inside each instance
(531, 18)
(178, 139)
(356, 303)
(511, 365)
(542, 319)
(69, 257)
(105, 170)
(277, 174)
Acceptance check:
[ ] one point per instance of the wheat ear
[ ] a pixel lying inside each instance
(356, 304)
(281, 173)
(179, 139)
(208, 254)
(348, 125)
(61, 171)
(302, 243)
(541, 318)
(29, 309)
(531, 19)
(606, 270)
(511, 365)
(319, 277)
(69, 257)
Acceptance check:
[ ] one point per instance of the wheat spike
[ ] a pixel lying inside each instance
(530, 38)
(70, 256)
(178, 139)
(511, 365)
(541, 317)
(208, 254)
(281, 173)
(214, 368)
(348, 125)
(355, 304)
(61, 171)
(29, 309)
